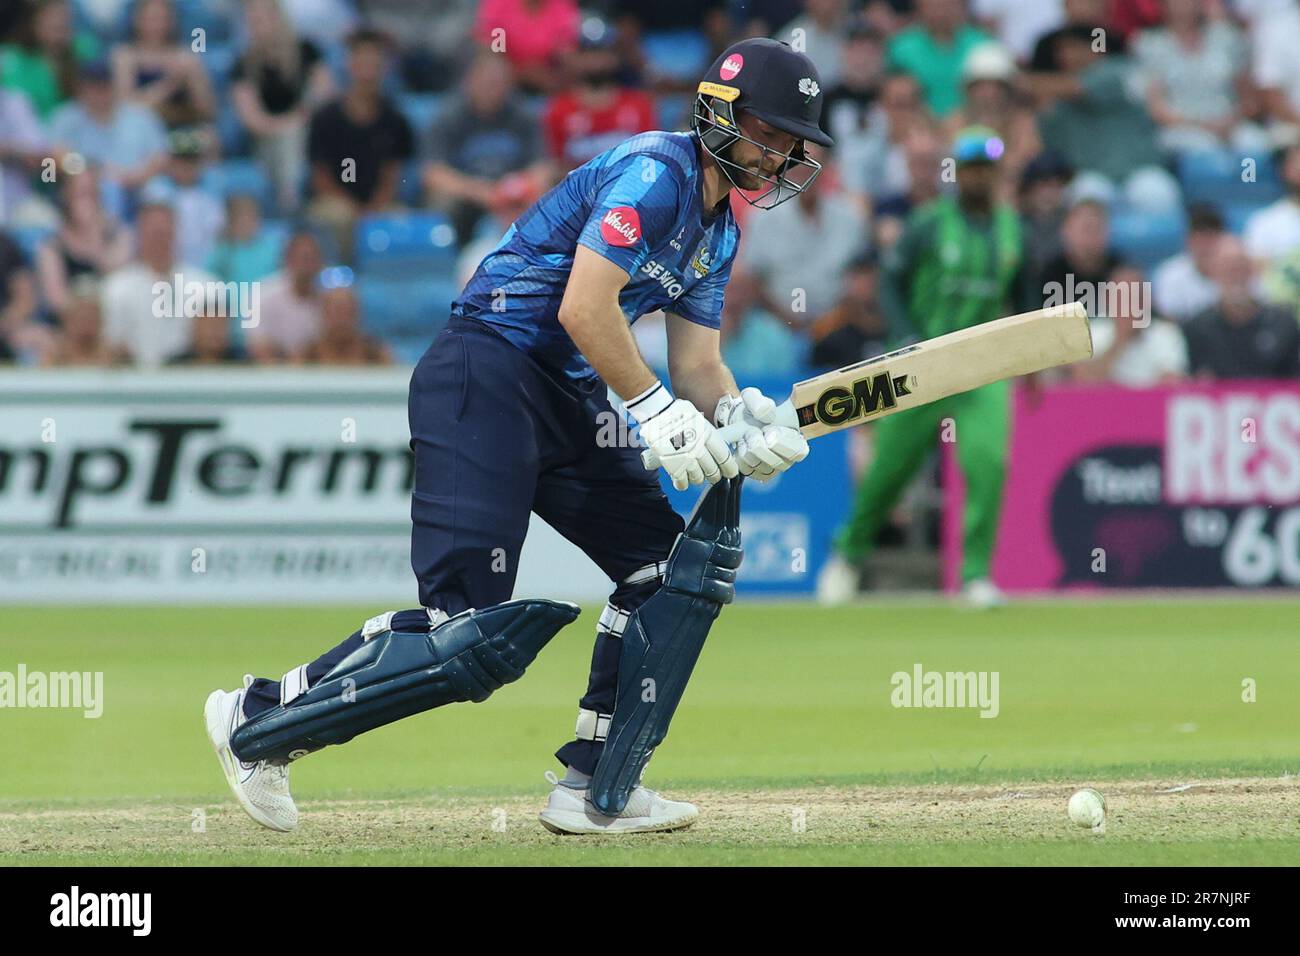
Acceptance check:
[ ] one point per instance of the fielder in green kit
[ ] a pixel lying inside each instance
(954, 267)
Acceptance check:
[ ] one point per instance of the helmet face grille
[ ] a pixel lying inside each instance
(714, 121)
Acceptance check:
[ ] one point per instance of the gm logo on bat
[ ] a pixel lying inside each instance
(839, 406)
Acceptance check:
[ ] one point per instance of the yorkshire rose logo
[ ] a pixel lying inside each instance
(731, 66)
(621, 226)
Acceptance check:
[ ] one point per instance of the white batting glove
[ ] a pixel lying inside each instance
(684, 442)
(764, 449)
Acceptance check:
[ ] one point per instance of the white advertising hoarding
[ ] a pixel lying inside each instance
(223, 486)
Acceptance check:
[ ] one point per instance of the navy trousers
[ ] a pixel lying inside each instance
(497, 437)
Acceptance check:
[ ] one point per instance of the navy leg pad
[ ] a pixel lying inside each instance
(663, 639)
(397, 674)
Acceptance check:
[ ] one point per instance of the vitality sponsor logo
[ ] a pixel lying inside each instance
(621, 226)
(731, 66)
(839, 405)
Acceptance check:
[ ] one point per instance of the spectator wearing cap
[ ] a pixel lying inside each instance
(1193, 68)
(854, 328)
(341, 340)
(822, 27)
(1240, 336)
(127, 141)
(155, 71)
(199, 213)
(483, 136)
(357, 144)
(147, 305)
(795, 289)
(290, 315)
(852, 113)
(1181, 285)
(1130, 346)
(532, 35)
(934, 49)
(275, 85)
(596, 111)
(1104, 132)
(45, 55)
(993, 99)
(89, 244)
(1273, 233)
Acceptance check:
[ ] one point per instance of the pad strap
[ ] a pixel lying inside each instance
(612, 621)
(650, 572)
(592, 725)
(293, 684)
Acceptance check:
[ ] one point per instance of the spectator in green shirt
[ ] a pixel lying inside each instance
(43, 58)
(934, 49)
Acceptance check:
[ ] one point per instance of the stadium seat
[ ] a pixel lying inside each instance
(678, 54)
(405, 244)
(1146, 239)
(1216, 177)
(405, 313)
(244, 176)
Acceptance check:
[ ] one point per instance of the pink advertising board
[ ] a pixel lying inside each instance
(1195, 485)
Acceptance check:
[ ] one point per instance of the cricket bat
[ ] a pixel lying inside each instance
(931, 370)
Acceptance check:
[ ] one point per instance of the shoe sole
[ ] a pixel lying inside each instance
(214, 721)
(579, 825)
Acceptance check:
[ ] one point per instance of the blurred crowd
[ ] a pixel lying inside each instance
(351, 161)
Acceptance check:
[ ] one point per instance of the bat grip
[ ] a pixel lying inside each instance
(785, 415)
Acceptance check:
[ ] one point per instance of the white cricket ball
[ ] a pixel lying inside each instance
(1087, 808)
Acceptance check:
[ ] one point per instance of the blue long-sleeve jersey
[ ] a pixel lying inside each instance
(639, 205)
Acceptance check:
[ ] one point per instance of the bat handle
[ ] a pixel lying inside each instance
(785, 415)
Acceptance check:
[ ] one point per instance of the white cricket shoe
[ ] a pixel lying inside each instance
(262, 788)
(837, 582)
(981, 593)
(569, 811)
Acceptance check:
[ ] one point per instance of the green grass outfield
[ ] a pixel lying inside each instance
(789, 712)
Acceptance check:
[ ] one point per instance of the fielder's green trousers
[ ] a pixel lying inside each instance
(979, 429)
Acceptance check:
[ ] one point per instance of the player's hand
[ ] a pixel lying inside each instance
(686, 445)
(764, 449)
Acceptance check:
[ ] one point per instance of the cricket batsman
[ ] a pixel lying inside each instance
(953, 267)
(506, 412)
